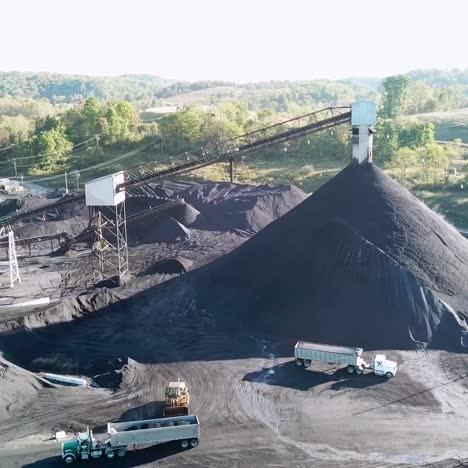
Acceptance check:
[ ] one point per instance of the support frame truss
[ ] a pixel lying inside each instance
(110, 248)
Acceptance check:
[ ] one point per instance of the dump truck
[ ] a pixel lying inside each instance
(123, 435)
(176, 400)
(306, 353)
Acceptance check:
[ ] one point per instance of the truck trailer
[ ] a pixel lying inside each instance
(305, 353)
(122, 435)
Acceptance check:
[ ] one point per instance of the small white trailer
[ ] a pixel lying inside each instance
(305, 353)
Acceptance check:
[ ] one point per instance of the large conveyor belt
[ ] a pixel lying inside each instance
(204, 161)
(224, 151)
(34, 240)
(36, 213)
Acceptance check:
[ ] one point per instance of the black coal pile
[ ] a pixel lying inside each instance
(360, 262)
(12, 206)
(157, 228)
(235, 207)
(71, 225)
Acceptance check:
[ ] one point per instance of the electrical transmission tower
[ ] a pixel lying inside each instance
(14, 271)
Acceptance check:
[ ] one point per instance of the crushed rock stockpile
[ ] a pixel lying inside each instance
(360, 262)
(235, 207)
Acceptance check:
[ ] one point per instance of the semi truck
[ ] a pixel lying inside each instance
(306, 353)
(122, 435)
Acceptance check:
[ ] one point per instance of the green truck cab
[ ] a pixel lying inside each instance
(121, 435)
(86, 447)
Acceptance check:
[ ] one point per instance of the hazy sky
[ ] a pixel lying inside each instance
(236, 40)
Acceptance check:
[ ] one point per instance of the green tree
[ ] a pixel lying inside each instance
(394, 95)
(182, 130)
(120, 123)
(415, 133)
(46, 123)
(434, 160)
(91, 118)
(385, 140)
(453, 151)
(402, 160)
(55, 149)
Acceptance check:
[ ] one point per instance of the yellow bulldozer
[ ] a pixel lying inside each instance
(176, 400)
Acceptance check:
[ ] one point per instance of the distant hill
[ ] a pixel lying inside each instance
(206, 96)
(73, 88)
(277, 95)
(147, 91)
(373, 83)
(442, 78)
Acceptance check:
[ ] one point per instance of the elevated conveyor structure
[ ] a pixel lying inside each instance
(227, 150)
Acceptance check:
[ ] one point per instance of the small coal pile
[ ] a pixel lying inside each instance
(235, 207)
(177, 266)
(157, 228)
(11, 206)
(361, 262)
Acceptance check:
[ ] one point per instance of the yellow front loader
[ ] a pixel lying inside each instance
(176, 400)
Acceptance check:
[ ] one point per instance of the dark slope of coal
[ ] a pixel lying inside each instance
(361, 262)
(11, 206)
(232, 207)
(157, 228)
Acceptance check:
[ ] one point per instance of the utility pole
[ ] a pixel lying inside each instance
(66, 183)
(14, 164)
(77, 180)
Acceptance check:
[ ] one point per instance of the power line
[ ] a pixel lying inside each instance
(47, 154)
(93, 167)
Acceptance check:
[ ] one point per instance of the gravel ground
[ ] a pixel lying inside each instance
(265, 411)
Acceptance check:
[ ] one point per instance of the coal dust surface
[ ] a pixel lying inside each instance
(360, 262)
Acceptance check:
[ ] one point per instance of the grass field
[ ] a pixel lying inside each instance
(304, 174)
(451, 204)
(449, 125)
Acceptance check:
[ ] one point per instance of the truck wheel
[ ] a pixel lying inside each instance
(193, 443)
(350, 369)
(69, 459)
(307, 363)
(359, 371)
(110, 454)
(389, 375)
(121, 452)
(299, 362)
(184, 444)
